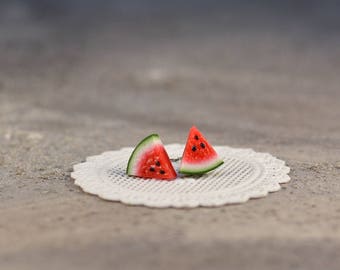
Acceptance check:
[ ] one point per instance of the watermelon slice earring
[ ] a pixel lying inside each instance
(150, 160)
(199, 156)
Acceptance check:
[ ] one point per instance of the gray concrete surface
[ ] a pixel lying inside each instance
(78, 78)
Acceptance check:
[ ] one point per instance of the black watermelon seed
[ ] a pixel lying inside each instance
(158, 163)
(194, 148)
(162, 172)
(152, 169)
(196, 137)
(202, 145)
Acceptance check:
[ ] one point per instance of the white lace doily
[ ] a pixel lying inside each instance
(245, 174)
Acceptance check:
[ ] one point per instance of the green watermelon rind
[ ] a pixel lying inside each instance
(201, 170)
(147, 141)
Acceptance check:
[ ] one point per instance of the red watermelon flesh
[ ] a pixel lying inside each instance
(199, 156)
(150, 160)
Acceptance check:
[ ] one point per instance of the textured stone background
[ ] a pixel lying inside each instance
(81, 77)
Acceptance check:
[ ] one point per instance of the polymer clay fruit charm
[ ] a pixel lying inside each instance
(150, 160)
(199, 156)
